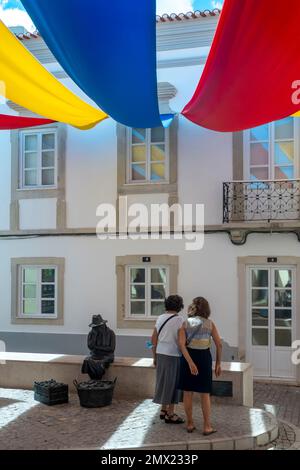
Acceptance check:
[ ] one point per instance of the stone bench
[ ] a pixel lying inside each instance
(135, 377)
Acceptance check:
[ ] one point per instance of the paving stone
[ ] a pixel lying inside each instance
(198, 445)
(224, 444)
(166, 446)
(274, 434)
(262, 439)
(245, 443)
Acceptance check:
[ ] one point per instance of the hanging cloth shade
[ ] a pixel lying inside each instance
(109, 49)
(252, 67)
(15, 122)
(27, 83)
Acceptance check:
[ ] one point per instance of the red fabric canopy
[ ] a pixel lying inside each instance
(253, 63)
(16, 122)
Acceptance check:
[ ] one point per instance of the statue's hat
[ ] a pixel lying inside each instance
(97, 320)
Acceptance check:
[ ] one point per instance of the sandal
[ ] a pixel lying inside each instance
(163, 414)
(171, 420)
(209, 432)
(190, 430)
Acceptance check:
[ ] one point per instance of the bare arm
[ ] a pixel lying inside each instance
(154, 341)
(218, 343)
(183, 349)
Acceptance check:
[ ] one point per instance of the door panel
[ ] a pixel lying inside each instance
(283, 280)
(271, 320)
(260, 359)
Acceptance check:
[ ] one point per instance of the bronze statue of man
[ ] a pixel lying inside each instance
(101, 340)
(101, 343)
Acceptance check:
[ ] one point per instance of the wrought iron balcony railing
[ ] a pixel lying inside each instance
(261, 200)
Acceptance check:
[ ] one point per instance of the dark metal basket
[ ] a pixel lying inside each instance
(95, 393)
(51, 392)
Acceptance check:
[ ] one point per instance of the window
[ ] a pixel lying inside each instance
(148, 152)
(270, 151)
(38, 159)
(38, 292)
(142, 287)
(147, 288)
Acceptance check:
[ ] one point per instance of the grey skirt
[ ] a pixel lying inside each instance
(167, 379)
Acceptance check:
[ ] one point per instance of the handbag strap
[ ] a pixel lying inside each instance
(189, 340)
(164, 323)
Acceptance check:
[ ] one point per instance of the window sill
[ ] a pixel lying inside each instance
(39, 188)
(164, 187)
(144, 183)
(58, 321)
(40, 192)
(141, 319)
(37, 317)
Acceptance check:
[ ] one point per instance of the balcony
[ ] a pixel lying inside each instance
(261, 201)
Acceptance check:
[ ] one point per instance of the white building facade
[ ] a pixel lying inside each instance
(55, 273)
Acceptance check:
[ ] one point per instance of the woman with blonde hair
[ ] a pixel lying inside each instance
(196, 364)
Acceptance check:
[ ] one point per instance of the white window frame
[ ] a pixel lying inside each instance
(39, 135)
(271, 141)
(148, 285)
(39, 268)
(148, 142)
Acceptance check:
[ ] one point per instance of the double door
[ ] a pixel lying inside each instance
(271, 320)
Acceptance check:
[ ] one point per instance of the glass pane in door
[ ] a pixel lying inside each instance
(260, 317)
(283, 338)
(260, 306)
(260, 337)
(284, 129)
(284, 149)
(283, 278)
(283, 317)
(260, 278)
(260, 297)
(283, 300)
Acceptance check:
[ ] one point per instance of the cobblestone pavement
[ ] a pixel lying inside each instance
(25, 424)
(281, 400)
(286, 438)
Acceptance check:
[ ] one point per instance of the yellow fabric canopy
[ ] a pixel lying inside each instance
(27, 83)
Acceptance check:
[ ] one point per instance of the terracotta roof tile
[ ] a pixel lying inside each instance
(26, 36)
(191, 15)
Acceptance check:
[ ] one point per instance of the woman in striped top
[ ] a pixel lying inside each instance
(196, 363)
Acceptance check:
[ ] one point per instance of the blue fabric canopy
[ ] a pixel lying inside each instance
(108, 47)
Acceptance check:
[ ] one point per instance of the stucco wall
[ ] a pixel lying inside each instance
(90, 280)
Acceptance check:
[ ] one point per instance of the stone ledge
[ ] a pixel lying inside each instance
(238, 367)
(135, 376)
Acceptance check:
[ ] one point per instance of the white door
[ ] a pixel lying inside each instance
(271, 320)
